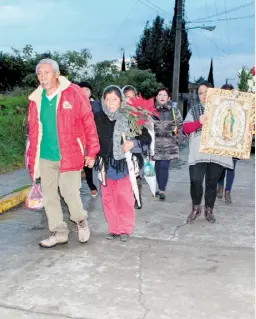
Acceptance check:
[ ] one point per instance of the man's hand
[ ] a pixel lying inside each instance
(202, 119)
(89, 162)
(127, 146)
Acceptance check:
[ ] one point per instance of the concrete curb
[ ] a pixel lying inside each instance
(14, 199)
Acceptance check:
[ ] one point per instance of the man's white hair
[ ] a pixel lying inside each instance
(54, 64)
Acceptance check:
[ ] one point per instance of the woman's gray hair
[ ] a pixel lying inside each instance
(54, 64)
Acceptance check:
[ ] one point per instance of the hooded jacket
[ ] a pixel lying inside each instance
(166, 140)
(76, 128)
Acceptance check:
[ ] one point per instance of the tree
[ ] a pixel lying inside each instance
(123, 68)
(102, 74)
(244, 76)
(155, 51)
(143, 80)
(149, 54)
(18, 68)
(200, 80)
(12, 70)
(210, 76)
(106, 73)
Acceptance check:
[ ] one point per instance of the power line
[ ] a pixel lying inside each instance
(157, 7)
(225, 12)
(154, 9)
(224, 19)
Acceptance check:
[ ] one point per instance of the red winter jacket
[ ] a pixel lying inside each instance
(75, 127)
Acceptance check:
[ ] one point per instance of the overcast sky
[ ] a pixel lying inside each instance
(104, 27)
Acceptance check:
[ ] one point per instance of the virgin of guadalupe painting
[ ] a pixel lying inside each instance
(229, 124)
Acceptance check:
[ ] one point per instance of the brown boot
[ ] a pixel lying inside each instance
(228, 199)
(220, 191)
(196, 212)
(209, 215)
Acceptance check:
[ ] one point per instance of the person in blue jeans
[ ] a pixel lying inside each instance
(168, 137)
(230, 176)
(229, 173)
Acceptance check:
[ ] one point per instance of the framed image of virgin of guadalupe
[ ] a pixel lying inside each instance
(229, 125)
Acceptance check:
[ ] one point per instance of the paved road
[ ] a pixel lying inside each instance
(197, 271)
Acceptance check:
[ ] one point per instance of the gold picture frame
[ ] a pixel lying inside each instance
(229, 125)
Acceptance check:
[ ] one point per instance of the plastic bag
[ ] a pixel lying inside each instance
(148, 168)
(35, 198)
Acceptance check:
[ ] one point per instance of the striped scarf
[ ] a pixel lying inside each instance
(197, 111)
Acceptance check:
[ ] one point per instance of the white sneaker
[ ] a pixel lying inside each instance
(54, 239)
(83, 231)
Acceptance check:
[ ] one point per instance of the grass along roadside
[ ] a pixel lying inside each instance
(13, 111)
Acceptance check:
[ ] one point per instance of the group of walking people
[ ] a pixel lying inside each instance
(69, 130)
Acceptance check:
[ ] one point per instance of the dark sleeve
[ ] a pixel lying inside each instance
(142, 142)
(145, 138)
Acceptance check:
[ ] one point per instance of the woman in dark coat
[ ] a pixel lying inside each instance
(168, 137)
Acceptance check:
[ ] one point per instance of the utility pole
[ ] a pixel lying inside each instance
(177, 51)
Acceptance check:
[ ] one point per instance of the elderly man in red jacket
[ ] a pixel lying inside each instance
(63, 138)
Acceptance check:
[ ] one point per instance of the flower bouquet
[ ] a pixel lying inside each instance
(140, 113)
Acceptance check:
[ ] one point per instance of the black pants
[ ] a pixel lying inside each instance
(212, 173)
(89, 178)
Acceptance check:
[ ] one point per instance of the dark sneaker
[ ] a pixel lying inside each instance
(157, 194)
(162, 196)
(196, 212)
(209, 215)
(124, 237)
(228, 199)
(220, 191)
(111, 236)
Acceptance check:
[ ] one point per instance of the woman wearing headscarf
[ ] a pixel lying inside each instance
(202, 165)
(117, 195)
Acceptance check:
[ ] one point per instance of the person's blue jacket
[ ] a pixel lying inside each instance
(96, 106)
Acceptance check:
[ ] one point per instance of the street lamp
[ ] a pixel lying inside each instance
(177, 51)
(204, 27)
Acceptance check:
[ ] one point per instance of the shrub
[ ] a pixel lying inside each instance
(12, 141)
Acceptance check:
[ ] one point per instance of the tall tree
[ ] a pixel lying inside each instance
(149, 53)
(210, 76)
(155, 51)
(123, 68)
